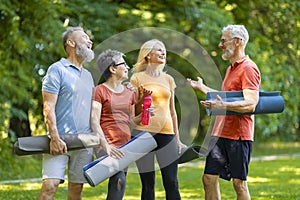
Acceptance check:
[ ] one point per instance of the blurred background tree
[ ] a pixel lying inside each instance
(31, 40)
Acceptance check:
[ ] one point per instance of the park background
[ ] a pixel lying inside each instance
(30, 40)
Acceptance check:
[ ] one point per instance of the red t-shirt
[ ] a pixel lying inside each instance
(244, 74)
(115, 113)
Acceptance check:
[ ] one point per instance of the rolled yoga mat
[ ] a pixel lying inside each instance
(190, 153)
(269, 102)
(40, 144)
(106, 166)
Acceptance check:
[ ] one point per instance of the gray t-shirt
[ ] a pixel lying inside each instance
(74, 88)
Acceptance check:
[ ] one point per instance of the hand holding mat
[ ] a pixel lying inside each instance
(269, 102)
(106, 166)
(40, 144)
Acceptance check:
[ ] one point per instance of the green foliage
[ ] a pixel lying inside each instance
(275, 47)
(31, 41)
(15, 167)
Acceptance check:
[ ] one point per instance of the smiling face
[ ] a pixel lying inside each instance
(121, 69)
(157, 54)
(83, 46)
(227, 45)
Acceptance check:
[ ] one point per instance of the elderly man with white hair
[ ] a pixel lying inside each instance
(233, 135)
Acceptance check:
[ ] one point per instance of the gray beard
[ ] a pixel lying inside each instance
(84, 53)
(228, 53)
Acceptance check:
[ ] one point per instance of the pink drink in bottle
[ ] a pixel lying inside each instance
(146, 112)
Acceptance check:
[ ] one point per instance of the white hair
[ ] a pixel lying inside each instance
(238, 31)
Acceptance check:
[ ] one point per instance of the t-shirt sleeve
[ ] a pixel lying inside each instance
(172, 83)
(251, 78)
(97, 94)
(52, 80)
(133, 98)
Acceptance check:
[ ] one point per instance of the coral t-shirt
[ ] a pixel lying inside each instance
(244, 74)
(115, 113)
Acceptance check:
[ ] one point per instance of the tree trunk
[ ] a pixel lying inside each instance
(19, 125)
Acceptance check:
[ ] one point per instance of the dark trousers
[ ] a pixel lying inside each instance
(116, 186)
(116, 183)
(166, 154)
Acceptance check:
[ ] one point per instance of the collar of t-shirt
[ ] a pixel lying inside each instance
(239, 61)
(67, 63)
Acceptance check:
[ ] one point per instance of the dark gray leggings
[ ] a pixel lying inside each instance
(116, 186)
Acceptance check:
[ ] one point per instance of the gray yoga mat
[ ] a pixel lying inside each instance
(106, 166)
(40, 144)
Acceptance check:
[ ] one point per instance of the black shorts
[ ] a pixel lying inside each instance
(229, 159)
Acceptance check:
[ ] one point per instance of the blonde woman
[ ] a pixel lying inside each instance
(149, 75)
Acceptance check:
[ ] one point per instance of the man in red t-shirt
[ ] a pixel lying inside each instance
(229, 158)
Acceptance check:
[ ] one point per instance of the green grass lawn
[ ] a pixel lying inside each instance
(268, 179)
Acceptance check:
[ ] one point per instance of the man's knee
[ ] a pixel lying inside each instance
(210, 180)
(240, 186)
(74, 190)
(49, 188)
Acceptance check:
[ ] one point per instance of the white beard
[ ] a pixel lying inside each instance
(227, 54)
(84, 53)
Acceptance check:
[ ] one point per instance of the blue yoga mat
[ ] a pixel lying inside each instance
(106, 166)
(269, 102)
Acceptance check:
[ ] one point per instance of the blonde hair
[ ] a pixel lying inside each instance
(146, 48)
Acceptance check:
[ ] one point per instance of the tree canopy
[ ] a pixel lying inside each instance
(31, 41)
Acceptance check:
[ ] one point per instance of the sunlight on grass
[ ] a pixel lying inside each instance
(294, 182)
(258, 180)
(273, 179)
(289, 169)
(275, 148)
(21, 186)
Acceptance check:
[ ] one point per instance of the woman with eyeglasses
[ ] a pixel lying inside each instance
(112, 114)
(149, 75)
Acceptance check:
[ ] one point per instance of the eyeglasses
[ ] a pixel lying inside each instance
(226, 40)
(122, 63)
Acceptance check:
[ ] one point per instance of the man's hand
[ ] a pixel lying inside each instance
(218, 104)
(57, 146)
(196, 84)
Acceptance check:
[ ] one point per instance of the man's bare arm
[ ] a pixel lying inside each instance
(249, 103)
(57, 146)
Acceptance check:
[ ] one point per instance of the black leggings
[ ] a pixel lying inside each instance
(166, 154)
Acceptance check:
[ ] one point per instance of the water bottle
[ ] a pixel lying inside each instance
(146, 112)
